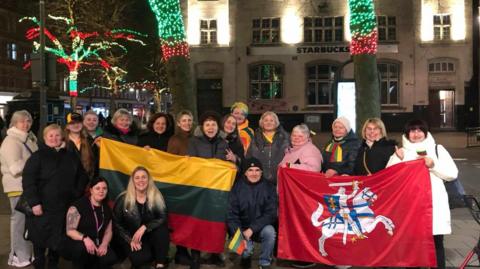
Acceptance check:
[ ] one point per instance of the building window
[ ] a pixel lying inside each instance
(441, 27)
(387, 28)
(11, 51)
(266, 81)
(389, 85)
(441, 67)
(266, 31)
(322, 29)
(319, 84)
(208, 32)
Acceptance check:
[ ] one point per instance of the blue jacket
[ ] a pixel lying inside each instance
(251, 205)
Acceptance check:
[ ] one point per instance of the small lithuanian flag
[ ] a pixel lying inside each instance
(238, 243)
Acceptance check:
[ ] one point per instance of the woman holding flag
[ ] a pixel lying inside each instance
(418, 144)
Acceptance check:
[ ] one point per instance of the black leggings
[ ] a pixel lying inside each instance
(39, 254)
(439, 250)
(155, 245)
(76, 252)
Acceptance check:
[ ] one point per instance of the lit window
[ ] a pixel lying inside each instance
(266, 81)
(389, 85)
(387, 28)
(11, 51)
(266, 30)
(441, 27)
(319, 84)
(322, 29)
(208, 32)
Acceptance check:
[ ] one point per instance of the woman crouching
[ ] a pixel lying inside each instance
(89, 229)
(140, 221)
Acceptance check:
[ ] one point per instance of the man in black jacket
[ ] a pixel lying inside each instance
(253, 210)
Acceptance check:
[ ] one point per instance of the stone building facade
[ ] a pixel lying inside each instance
(282, 55)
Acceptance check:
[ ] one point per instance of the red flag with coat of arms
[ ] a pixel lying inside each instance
(380, 220)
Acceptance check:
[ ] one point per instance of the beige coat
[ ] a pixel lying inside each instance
(14, 155)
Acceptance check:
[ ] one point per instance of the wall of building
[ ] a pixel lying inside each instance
(413, 50)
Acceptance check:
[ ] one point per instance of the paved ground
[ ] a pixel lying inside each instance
(465, 230)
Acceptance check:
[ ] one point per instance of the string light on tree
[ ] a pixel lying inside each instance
(86, 47)
(170, 28)
(363, 27)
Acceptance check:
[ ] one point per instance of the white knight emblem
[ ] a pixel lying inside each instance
(355, 218)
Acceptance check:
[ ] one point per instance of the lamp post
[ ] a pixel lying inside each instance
(43, 79)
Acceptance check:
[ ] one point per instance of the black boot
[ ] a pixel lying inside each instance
(195, 259)
(182, 256)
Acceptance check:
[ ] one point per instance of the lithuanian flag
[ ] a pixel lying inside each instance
(195, 190)
(238, 243)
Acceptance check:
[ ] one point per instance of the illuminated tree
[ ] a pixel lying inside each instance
(171, 32)
(363, 49)
(84, 48)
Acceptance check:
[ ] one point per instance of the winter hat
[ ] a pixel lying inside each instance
(251, 162)
(242, 106)
(73, 117)
(344, 121)
(209, 115)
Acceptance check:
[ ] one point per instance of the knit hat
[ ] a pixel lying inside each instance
(73, 117)
(251, 162)
(344, 121)
(209, 115)
(242, 106)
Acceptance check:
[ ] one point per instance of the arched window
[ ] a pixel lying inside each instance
(319, 84)
(390, 82)
(266, 81)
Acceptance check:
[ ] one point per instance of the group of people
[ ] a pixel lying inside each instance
(59, 180)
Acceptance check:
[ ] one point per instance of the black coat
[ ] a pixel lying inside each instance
(54, 179)
(350, 145)
(154, 140)
(251, 205)
(270, 155)
(375, 157)
(201, 146)
(126, 223)
(113, 133)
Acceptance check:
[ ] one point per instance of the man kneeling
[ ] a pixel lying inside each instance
(253, 210)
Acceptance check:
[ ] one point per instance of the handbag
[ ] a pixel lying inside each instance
(23, 206)
(455, 191)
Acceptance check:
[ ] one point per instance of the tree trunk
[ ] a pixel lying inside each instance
(180, 84)
(367, 88)
(73, 103)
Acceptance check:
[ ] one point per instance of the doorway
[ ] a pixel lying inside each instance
(209, 95)
(441, 109)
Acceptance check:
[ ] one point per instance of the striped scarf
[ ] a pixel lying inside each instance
(335, 147)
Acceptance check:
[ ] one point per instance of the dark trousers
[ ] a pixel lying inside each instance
(39, 254)
(439, 250)
(76, 252)
(155, 246)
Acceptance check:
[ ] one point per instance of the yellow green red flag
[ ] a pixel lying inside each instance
(195, 190)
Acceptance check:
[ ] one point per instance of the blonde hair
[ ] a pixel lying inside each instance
(271, 114)
(376, 121)
(19, 115)
(52, 127)
(154, 196)
(121, 112)
(183, 113)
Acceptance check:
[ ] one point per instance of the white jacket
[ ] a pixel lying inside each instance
(14, 155)
(444, 169)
